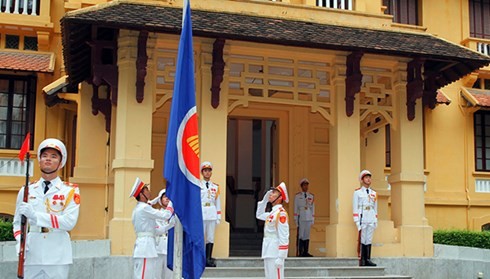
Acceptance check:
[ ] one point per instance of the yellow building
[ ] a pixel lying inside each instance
(285, 90)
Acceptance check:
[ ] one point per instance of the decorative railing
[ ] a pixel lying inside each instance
(478, 44)
(335, 4)
(483, 48)
(482, 185)
(24, 7)
(14, 167)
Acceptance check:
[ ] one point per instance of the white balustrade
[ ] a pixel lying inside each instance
(26, 7)
(482, 185)
(14, 167)
(335, 4)
(483, 48)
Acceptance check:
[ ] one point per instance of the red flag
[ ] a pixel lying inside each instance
(25, 147)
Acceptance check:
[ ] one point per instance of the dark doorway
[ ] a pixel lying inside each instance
(251, 168)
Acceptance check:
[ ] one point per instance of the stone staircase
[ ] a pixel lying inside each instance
(297, 268)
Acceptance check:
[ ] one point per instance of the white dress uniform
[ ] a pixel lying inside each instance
(162, 243)
(48, 244)
(276, 238)
(304, 213)
(145, 253)
(365, 212)
(211, 209)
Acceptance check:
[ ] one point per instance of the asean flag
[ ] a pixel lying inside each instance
(181, 168)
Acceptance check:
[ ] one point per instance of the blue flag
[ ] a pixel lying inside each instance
(182, 158)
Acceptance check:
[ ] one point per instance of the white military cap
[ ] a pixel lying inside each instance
(206, 165)
(304, 180)
(55, 144)
(160, 195)
(137, 187)
(284, 191)
(364, 173)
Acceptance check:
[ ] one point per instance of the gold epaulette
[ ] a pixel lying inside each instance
(70, 184)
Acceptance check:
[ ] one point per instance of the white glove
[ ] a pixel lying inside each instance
(266, 196)
(170, 204)
(218, 221)
(17, 245)
(153, 201)
(375, 225)
(27, 210)
(358, 224)
(279, 262)
(296, 221)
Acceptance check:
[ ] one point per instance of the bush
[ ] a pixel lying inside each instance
(463, 238)
(6, 233)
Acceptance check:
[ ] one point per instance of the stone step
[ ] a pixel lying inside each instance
(319, 271)
(290, 262)
(326, 277)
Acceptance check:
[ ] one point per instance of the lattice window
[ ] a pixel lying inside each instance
(279, 80)
(12, 41)
(376, 99)
(165, 63)
(30, 43)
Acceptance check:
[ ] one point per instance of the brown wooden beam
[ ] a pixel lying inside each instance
(415, 85)
(353, 80)
(217, 71)
(141, 62)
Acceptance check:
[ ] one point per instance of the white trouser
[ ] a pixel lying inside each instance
(271, 271)
(145, 268)
(209, 227)
(162, 269)
(46, 271)
(304, 230)
(367, 231)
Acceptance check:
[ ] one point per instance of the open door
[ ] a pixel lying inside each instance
(251, 170)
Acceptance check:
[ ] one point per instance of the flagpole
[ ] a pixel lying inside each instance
(178, 236)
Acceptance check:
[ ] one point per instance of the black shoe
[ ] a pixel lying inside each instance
(209, 263)
(370, 263)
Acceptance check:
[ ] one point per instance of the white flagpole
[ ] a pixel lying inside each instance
(178, 242)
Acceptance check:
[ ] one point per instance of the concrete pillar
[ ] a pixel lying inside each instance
(132, 156)
(213, 135)
(344, 167)
(407, 175)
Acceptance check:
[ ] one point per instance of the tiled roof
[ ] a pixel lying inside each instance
(442, 98)
(481, 96)
(450, 61)
(27, 61)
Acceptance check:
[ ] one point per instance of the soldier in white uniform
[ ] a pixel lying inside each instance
(211, 210)
(52, 211)
(276, 231)
(365, 213)
(161, 236)
(145, 256)
(304, 216)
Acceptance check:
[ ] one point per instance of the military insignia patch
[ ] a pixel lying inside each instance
(283, 219)
(76, 198)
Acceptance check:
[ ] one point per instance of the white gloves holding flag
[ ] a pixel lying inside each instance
(358, 225)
